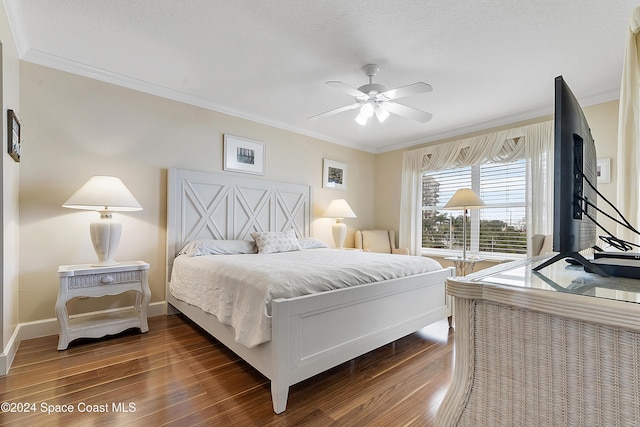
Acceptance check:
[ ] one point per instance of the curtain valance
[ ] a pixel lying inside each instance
(502, 146)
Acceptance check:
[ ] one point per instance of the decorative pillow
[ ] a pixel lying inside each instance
(269, 242)
(218, 247)
(311, 243)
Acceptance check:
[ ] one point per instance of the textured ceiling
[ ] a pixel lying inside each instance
(490, 62)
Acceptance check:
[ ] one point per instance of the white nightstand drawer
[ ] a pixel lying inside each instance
(91, 280)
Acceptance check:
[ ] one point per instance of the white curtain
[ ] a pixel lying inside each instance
(629, 134)
(534, 142)
(539, 143)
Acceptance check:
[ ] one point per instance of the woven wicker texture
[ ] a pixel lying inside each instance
(534, 369)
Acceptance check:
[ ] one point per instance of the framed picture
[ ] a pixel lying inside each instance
(604, 170)
(13, 139)
(243, 155)
(334, 175)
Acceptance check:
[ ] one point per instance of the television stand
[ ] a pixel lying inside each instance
(526, 354)
(576, 256)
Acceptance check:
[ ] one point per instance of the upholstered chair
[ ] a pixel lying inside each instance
(382, 241)
(541, 244)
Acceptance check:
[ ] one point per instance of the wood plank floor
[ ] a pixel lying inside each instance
(176, 374)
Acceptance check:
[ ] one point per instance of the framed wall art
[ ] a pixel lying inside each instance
(334, 175)
(604, 170)
(13, 137)
(243, 155)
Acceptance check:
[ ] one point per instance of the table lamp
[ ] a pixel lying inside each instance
(104, 194)
(464, 198)
(339, 209)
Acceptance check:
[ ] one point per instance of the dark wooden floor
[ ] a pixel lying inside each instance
(177, 375)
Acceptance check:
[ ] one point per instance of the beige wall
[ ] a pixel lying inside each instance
(76, 127)
(603, 119)
(10, 179)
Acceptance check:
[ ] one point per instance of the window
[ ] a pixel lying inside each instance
(499, 228)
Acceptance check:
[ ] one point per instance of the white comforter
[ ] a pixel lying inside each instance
(238, 289)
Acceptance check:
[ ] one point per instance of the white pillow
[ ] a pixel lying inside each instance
(218, 247)
(311, 243)
(269, 242)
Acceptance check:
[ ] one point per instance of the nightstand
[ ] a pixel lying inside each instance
(86, 280)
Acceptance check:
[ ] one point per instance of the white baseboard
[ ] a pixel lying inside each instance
(45, 327)
(6, 358)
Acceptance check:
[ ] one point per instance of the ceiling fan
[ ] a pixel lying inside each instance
(373, 98)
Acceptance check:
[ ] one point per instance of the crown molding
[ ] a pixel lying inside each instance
(74, 67)
(63, 64)
(16, 24)
(540, 113)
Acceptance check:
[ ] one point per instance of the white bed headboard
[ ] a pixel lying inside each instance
(202, 205)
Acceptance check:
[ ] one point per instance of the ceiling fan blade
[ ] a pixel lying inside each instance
(335, 111)
(410, 112)
(408, 90)
(347, 89)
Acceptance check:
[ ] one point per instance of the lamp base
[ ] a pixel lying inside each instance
(105, 236)
(339, 230)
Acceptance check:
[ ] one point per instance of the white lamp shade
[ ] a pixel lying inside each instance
(464, 198)
(103, 193)
(339, 208)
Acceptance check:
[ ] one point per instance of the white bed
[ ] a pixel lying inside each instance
(309, 333)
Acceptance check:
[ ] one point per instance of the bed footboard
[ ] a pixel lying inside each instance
(314, 333)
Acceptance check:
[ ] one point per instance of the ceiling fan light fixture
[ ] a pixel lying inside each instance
(381, 114)
(373, 98)
(362, 120)
(367, 110)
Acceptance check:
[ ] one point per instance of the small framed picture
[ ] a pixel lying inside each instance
(604, 170)
(334, 175)
(243, 155)
(13, 139)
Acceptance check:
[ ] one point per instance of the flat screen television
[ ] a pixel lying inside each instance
(574, 163)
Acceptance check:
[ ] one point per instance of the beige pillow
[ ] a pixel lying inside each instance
(269, 242)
